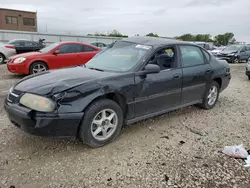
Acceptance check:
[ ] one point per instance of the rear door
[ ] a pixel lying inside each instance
(30, 46)
(86, 53)
(196, 73)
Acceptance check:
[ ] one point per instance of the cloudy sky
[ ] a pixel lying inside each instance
(164, 17)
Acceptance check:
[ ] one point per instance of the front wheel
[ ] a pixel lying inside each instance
(248, 77)
(38, 67)
(102, 123)
(236, 60)
(211, 96)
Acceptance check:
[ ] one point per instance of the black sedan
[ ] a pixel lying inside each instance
(133, 79)
(23, 46)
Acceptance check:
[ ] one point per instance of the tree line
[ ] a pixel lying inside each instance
(220, 39)
(113, 33)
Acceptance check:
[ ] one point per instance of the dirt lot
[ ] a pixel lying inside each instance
(152, 153)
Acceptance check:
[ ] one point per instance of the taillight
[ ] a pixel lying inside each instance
(10, 46)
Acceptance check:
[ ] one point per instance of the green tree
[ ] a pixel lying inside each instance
(152, 35)
(224, 39)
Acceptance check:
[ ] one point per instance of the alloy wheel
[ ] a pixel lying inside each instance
(104, 124)
(212, 95)
(39, 68)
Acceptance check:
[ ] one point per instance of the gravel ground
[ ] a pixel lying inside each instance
(165, 151)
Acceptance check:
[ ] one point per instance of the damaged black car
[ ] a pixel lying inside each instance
(133, 79)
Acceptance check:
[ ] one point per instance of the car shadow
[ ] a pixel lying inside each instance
(43, 145)
(12, 76)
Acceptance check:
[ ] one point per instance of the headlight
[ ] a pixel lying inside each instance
(19, 60)
(37, 102)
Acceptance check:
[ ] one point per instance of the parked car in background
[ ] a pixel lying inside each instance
(57, 55)
(235, 53)
(134, 79)
(23, 46)
(99, 45)
(6, 51)
(205, 45)
(217, 50)
(248, 69)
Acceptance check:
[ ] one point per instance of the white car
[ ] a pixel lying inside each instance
(218, 50)
(248, 69)
(6, 51)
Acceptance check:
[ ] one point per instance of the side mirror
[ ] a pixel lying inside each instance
(56, 52)
(149, 69)
(242, 51)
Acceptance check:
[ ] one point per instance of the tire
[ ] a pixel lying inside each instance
(88, 132)
(236, 60)
(248, 77)
(36, 65)
(207, 104)
(2, 59)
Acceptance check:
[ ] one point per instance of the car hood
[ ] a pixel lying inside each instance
(29, 54)
(56, 81)
(228, 51)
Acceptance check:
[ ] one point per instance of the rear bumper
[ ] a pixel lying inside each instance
(48, 125)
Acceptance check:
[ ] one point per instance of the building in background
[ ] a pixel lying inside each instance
(18, 20)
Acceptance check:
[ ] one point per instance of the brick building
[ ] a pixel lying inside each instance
(18, 20)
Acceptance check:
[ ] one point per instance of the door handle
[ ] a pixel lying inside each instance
(176, 76)
(208, 70)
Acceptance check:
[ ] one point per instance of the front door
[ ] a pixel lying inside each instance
(243, 54)
(160, 91)
(196, 73)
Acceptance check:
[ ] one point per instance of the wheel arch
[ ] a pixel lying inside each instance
(218, 80)
(114, 96)
(3, 55)
(37, 61)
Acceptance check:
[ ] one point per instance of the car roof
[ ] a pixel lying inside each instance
(73, 42)
(153, 41)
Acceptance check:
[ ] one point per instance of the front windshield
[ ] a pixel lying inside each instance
(233, 48)
(121, 56)
(48, 48)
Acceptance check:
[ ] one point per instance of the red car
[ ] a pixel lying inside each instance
(54, 56)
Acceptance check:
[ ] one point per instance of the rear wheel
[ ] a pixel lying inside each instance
(102, 123)
(2, 59)
(248, 77)
(211, 96)
(38, 67)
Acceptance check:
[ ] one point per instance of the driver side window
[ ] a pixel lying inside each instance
(165, 58)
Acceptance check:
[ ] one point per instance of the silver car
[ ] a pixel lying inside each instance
(6, 51)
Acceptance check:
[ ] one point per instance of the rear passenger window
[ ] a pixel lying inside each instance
(88, 49)
(191, 56)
